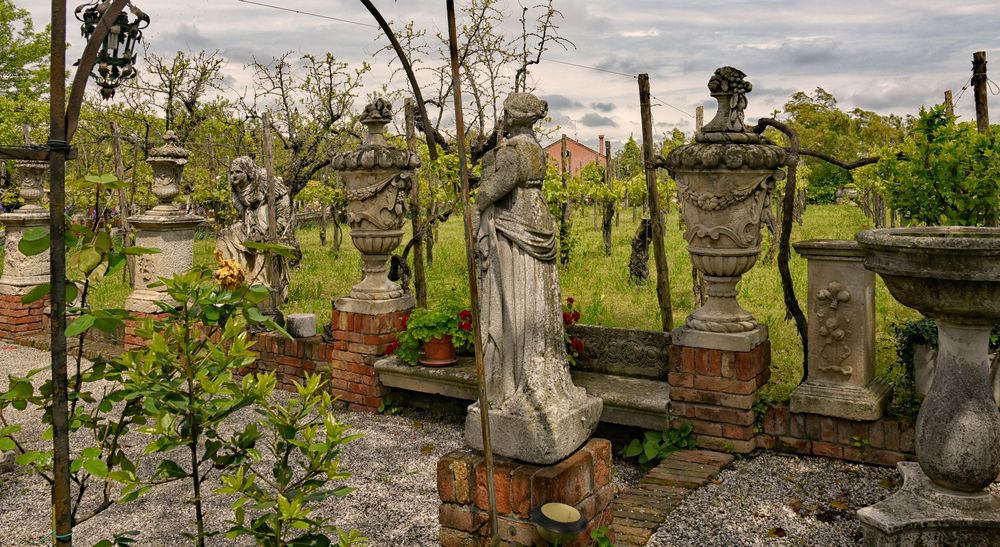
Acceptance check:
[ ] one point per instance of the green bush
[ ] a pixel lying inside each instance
(946, 173)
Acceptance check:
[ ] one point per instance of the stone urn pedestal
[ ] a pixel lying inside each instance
(165, 227)
(22, 273)
(951, 274)
(377, 178)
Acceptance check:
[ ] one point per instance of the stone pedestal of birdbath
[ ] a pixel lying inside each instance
(951, 274)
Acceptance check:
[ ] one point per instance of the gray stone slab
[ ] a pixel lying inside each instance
(725, 341)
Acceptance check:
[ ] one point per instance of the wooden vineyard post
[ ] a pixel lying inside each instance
(979, 81)
(419, 279)
(659, 253)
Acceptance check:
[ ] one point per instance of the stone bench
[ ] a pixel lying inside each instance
(626, 368)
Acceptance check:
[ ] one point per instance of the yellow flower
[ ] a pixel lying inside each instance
(230, 274)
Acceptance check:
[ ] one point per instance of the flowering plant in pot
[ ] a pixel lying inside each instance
(448, 324)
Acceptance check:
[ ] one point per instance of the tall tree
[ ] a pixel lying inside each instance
(311, 101)
(24, 67)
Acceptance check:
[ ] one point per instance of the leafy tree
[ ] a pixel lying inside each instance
(821, 125)
(311, 101)
(945, 173)
(24, 68)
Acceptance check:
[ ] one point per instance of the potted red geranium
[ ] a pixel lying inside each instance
(433, 335)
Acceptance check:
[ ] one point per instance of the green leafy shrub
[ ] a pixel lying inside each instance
(946, 173)
(281, 499)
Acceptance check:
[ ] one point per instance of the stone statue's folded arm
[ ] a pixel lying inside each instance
(501, 179)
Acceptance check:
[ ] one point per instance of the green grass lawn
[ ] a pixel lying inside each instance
(600, 284)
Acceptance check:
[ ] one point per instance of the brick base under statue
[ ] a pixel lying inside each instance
(582, 480)
(18, 319)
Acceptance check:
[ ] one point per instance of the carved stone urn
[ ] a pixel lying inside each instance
(167, 162)
(377, 178)
(951, 274)
(724, 181)
(32, 175)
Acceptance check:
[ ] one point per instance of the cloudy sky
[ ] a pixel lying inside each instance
(890, 56)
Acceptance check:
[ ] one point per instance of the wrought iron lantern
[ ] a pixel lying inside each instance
(115, 62)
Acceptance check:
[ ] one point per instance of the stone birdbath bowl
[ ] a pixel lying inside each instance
(951, 274)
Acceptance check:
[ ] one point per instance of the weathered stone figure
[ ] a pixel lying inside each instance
(248, 189)
(537, 414)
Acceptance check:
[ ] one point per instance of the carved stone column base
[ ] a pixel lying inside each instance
(842, 400)
(922, 514)
(144, 301)
(173, 235)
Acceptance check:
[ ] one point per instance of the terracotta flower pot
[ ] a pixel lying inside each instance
(439, 352)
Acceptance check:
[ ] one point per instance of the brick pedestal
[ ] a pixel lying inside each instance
(582, 480)
(360, 339)
(289, 359)
(715, 389)
(132, 340)
(18, 319)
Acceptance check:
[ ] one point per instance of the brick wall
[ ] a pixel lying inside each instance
(17, 319)
(715, 390)
(582, 480)
(882, 442)
(289, 359)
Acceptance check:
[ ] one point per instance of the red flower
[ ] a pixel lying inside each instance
(465, 315)
(465, 325)
(576, 315)
(391, 348)
(567, 318)
(406, 318)
(577, 344)
(569, 300)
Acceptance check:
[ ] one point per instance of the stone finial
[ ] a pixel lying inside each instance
(379, 110)
(170, 148)
(729, 87)
(167, 162)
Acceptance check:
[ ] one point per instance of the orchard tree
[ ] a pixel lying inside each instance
(24, 67)
(822, 126)
(311, 99)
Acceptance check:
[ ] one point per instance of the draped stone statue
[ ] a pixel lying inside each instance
(248, 189)
(537, 414)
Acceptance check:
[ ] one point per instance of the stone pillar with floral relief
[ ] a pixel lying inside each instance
(166, 227)
(21, 273)
(841, 380)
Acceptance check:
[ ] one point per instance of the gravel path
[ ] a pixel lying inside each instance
(393, 468)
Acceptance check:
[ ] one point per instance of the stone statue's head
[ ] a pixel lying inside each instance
(523, 109)
(242, 172)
